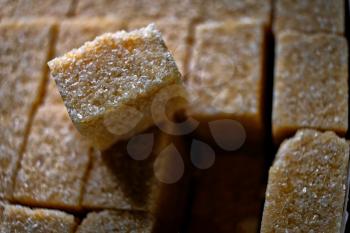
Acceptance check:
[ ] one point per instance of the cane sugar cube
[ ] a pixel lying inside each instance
(307, 184)
(108, 85)
(24, 50)
(74, 33)
(310, 16)
(310, 84)
(176, 36)
(19, 219)
(116, 221)
(54, 164)
(226, 78)
(259, 10)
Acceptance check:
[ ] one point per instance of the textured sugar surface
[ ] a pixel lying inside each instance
(119, 72)
(307, 184)
(310, 88)
(54, 163)
(226, 70)
(118, 8)
(175, 34)
(310, 16)
(116, 181)
(74, 33)
(116, 221)
(23, 52)
(112, 70)
(42, 8)
(149, 9)
(7, 8)
(222, 9)
(15, 218)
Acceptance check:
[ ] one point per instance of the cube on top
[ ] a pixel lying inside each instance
(310, 16)
(310, 84)
(108, 84)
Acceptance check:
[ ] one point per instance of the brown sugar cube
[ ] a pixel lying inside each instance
(153, 178)
(259, 10)
(116, 221)
(310, 16)
(176, 36)
(19, 219)
(226, 77)
(310, 84)
(307, 184)
(54, 163)
(40, 8)
(110, 85)
(24, 50)
(75, 32)
(229, 194)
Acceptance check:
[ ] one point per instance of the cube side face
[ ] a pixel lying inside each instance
(111, 74)
(310, 84)
(310, 17)
(54, 163)
(16, 218)
(307, 184)
(20, 88)
(226, 76)
(223, 10)
(119, 221)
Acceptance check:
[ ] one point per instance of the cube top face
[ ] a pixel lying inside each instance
(225, 9)
(73, 33)
(226, 73)
(310, 83)
(307, 184)
(54, 163)
(16, 218)
(24, 49)
(175, 34)
(113, 70)
(310, 16)
(119, 221)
